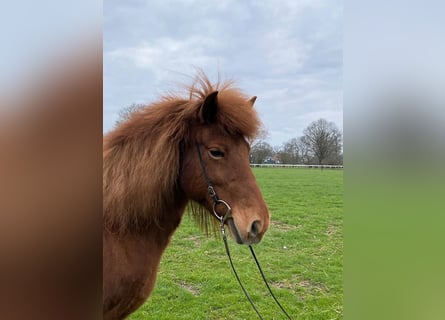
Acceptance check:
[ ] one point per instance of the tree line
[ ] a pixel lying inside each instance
(321, 143)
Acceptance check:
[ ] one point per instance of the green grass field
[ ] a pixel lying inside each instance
(301, 255)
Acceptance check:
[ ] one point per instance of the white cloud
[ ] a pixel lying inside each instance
(167, 53)
(284, 51)
(288, 53)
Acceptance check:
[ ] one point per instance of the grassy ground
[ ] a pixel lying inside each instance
(301, 255)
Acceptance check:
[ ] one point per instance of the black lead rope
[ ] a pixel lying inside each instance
(222, 219)
(267, 284)
(236, 274)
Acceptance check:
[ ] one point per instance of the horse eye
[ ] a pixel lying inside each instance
(216, 154)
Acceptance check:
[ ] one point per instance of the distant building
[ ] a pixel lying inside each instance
(270, 160)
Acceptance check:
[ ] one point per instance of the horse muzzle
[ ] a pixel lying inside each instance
(251, 236)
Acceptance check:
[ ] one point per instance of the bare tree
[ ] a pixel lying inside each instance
(323, 140)
(260, 151)
(262, 135)
(125, 113)
(303, 151)
(289, 152)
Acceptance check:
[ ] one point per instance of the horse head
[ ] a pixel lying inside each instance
(218, 153)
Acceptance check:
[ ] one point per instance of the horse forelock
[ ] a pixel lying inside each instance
(142, 155)
(235, 114)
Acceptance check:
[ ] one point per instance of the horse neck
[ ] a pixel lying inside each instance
(138, 195)
(169, 219)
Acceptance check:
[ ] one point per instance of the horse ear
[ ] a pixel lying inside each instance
(209, 108)
(252, 100)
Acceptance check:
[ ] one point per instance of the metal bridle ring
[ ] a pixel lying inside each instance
(228, 211)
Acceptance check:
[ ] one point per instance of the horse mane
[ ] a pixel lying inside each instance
(142, 155)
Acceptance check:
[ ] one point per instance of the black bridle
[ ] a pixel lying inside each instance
(222, 218)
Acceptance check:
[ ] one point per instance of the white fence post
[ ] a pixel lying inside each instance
(278, 165)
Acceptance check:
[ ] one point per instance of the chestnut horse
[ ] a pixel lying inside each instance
(152, 169)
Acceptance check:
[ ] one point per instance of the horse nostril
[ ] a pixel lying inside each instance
(255, 228)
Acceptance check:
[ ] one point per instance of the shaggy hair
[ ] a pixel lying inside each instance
(141, 156)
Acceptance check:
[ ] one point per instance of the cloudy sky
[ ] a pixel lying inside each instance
(288, 53)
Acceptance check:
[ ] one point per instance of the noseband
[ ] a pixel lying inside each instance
(222, 218)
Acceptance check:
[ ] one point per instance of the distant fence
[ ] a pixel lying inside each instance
(301, 166)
